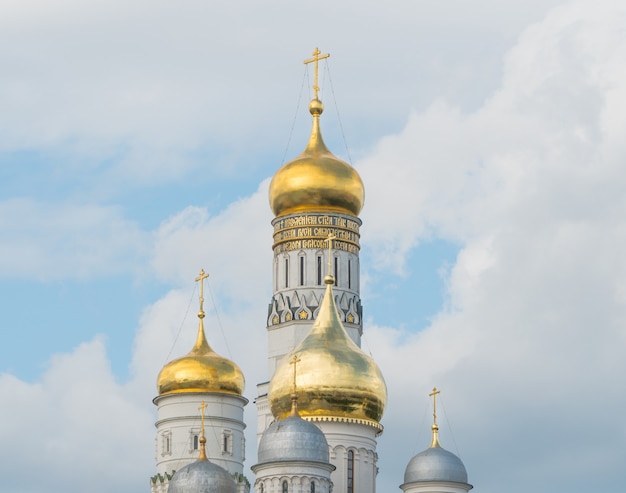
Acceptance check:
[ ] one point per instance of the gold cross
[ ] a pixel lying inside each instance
(316, 58)
(202, 407)
(330, 239)
(201, 279)
(433, 394)
(294, 361)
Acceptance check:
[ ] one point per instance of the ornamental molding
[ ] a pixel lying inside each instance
(303, 306)
(343, 419)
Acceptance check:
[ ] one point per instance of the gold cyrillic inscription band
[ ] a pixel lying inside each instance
(309, 230)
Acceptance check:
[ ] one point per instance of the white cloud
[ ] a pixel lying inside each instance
(48, 241)
(233, 247)
(530, 347)
(155, 83)
(75, 430)
(80, 429)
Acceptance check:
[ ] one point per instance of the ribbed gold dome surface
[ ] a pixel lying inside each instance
(201, 370)
(316, 180)
(334, 378)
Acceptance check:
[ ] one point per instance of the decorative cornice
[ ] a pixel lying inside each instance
(198, 395)
(286, 308)
(343, 419)
(220, 419)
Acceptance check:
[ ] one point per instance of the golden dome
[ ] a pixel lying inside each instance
(316, 181)
(335, 378)
(202, 369)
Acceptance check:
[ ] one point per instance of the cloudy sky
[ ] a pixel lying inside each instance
(137, 140)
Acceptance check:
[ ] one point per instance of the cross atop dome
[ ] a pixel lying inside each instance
(435, 427)
(315, 60)
(329, 240)
(203, 275)
(202, 409)
(294, 395)
(434, 395)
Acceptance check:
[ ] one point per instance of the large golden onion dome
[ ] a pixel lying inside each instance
(334, 378)
(202, 369)
(316, 181)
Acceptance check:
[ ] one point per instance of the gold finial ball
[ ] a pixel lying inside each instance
(329, 279)
(316, 107)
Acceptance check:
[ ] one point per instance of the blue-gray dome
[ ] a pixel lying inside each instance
(202, 476)
(435, 464)
(293, 438)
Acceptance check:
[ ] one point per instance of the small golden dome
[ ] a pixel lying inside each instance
(201, 370)
(335, 378)
(316, 181)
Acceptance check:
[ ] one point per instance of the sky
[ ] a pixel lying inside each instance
(137, 140)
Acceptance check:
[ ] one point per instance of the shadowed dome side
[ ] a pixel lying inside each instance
(335, 378)
(316, 181)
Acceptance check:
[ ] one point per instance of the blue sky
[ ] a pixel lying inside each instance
(136, 145)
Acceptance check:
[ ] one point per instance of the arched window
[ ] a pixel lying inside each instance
(287, 272)
(349, 274)
(336, 271)
(301, 270)
(350, 471)
(319, 270)
(195, 442)
(166, 444)
(275, 274)
(261, 488)
(312, 486)
(227, 442)
(285, 487)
